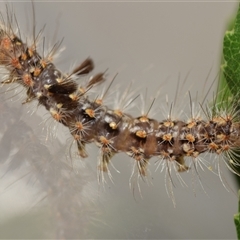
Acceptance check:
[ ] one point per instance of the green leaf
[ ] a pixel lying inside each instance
(237, 218)
(231, 57)
(229, 85)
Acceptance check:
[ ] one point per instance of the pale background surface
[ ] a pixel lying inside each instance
(151, 43)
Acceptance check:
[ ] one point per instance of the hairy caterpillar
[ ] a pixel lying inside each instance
(146, 228)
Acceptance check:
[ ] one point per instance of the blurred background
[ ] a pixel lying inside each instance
(156, 45)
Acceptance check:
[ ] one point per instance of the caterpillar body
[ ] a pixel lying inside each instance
(113, 130)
